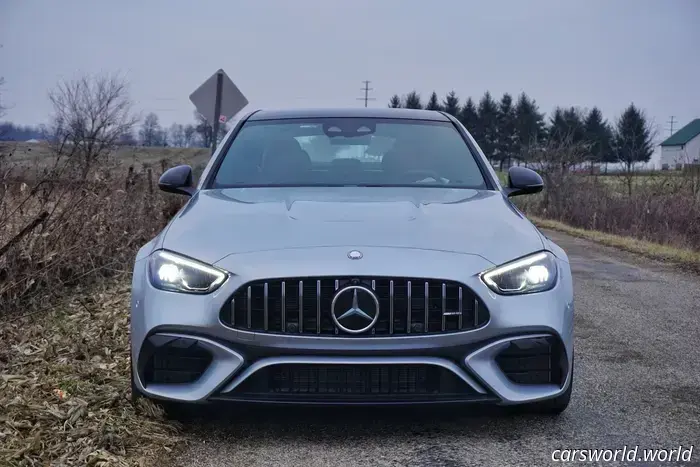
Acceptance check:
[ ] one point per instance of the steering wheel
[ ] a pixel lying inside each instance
(415, 175)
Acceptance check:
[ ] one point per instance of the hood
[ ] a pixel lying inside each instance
(217, 223)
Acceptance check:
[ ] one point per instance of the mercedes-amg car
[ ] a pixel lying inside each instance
(352, 256)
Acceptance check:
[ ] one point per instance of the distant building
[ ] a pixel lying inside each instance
(32, 141)
(682, 148)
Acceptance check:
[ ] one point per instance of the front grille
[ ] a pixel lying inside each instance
(354, 380)
(303, 306)
(179, 361)
(538, 360)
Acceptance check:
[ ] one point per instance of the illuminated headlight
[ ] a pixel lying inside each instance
(535, 273)
(176, 273)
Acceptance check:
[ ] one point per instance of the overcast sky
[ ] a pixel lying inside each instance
(315, 53)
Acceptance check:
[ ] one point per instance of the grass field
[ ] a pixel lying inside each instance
(31, 154)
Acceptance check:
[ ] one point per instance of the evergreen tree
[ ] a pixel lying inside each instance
(599, 136)
(567, 126)
(507, 138)
(557, 126)
(412, 101)
(451, 104)
(633, 138)
(468, 115)
(486, 130)
(574, 119)
(433, 103)
(530, 128)
(395, 102)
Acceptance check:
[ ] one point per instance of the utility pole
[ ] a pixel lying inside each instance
(366, 89)
(670, 122)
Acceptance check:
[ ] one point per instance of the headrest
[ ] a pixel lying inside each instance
(285, 154)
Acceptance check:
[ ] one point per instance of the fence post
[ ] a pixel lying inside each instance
(150, 180)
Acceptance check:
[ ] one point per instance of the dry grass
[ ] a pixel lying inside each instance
(685, 258)
(65, 391)
(58, 232)
(64, 358)
(30, 154)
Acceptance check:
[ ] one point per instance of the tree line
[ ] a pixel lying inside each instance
(197, 134)
(508, 129)
(150, 133)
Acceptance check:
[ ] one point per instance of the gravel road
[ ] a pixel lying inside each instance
(637, 384)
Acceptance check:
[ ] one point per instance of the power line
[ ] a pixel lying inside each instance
(366, 89)
(671, 121)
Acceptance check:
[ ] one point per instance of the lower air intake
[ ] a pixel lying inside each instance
(178, 361)
(359, 381)
(539, 360)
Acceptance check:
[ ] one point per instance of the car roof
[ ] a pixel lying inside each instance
(349, 112)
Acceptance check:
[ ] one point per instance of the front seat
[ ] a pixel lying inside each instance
(284, 161)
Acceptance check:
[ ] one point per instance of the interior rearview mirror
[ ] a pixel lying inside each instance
(177, 180)
(523, 181)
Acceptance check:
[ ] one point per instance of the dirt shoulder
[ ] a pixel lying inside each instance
(65, 388)
(684, 258)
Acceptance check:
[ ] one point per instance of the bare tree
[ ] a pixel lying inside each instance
(91, 114)
(556, 161)
(151, 133)
(2, 107)
(189, 132)
(177, 135)
(690, 171)
(205, 130)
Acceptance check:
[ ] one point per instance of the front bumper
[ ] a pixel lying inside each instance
(481, 365)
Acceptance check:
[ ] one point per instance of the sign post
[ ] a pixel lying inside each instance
(217, 100)
(217, 110)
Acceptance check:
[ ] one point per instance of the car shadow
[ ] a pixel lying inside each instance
(359, 422)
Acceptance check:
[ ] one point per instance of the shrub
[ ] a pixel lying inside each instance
(662, 209)
(58, 231)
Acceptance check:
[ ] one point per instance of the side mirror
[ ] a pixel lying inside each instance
(177, 180)
(522, 181)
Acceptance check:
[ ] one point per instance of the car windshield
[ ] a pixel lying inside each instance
(348, 152)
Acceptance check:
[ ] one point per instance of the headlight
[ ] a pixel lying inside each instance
(176, 273)
(535, 273)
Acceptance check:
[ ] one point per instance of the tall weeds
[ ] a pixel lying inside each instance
(58, 230)
(664, 208)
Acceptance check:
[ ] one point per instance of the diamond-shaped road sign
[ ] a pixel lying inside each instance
(232, 99)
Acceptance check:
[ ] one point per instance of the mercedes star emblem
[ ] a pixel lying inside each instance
(355, 309)
(354, 254)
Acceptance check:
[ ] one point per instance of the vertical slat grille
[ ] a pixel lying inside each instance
(266, 300)
(427, 306)
(283, 301)
(406, 306)
(318, 306)
(301, 306)
(249, 296)
(444, 305)
(409, 306)
(391, 307)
